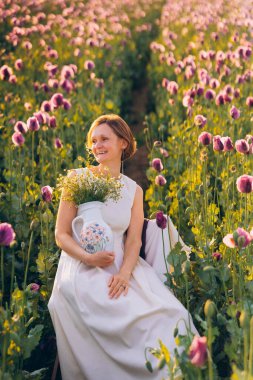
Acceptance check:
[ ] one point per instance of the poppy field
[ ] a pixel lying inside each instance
(63, 64)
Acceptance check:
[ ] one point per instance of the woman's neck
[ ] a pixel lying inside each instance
(114, 170)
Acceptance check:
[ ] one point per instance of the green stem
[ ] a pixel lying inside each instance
(187, 298)
(210, 366)
(205, 201)
(246, 210)
(28, 259)
(2, 273)
(251, 349)
(164, 254)
(47, 255)
(246, 349)
(4, 355)
(12, 271)
(32, 157)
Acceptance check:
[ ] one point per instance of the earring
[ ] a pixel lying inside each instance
(122, 162)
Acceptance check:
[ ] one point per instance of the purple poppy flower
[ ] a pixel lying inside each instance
(33, 124)
(57, 143)
(19, 64)
(7, 234)
(74, 67)
(157, 164)
(187, 101)
(227, 143)
(67, 85)
(244, 184)
(214, 83)
(5, 72)
(27, 45)
(249, 101)
(217, 256)
(34, 287)
(164, 152)
(18, 139)
(66, 104)
(217, 143)
(52, 122)
(47, 193)
(36, 86)
(99, 82)
(200, 90)
(44, 87)
(161, 220)
(210, 94)
(89, 65)
(13, 79)
(57, 100)
(240, 237)
(172, 88)
(165, 83)
(205, 138)
(240, 79)
(242, 146)
(219, 100)
(53, 83)
(52, 69)
(21, 127)
(67, 72)
(53, 54)
(160, 180)
(46, 106)
(234, 113)
(200, 121)
(237, 93)
(40, 117)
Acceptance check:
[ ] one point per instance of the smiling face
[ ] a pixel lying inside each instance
(106, 145)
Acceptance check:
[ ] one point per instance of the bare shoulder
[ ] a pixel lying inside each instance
(139, 191)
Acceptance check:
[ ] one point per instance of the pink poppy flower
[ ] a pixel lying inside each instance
(198, 351)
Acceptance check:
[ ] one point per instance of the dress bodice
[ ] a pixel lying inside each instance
(118, 214)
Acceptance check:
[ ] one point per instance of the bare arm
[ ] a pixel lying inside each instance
(133, 240)
(119, 283)
(63, 234)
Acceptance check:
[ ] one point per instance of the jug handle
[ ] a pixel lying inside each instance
(75, 220)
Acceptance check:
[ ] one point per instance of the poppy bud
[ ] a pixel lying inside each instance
(149, 366)
(209, 309)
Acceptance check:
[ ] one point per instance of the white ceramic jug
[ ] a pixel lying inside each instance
(90, 230)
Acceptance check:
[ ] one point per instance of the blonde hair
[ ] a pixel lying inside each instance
(120, 128)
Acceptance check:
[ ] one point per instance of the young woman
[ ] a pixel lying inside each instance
(108, 307)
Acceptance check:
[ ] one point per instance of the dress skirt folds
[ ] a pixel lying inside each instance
(99, 338)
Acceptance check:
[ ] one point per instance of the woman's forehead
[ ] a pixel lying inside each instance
(102, 129)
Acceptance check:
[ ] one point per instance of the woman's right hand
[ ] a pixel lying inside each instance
(99, 259)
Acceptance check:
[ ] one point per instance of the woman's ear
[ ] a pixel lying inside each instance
(124, 144)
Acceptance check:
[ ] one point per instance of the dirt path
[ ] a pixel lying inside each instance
(136, 167)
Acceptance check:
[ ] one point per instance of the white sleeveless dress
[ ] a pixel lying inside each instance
(100, 338)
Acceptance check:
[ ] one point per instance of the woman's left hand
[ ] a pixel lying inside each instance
(118, 284)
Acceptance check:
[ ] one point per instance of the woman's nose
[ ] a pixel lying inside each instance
(99, 144)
